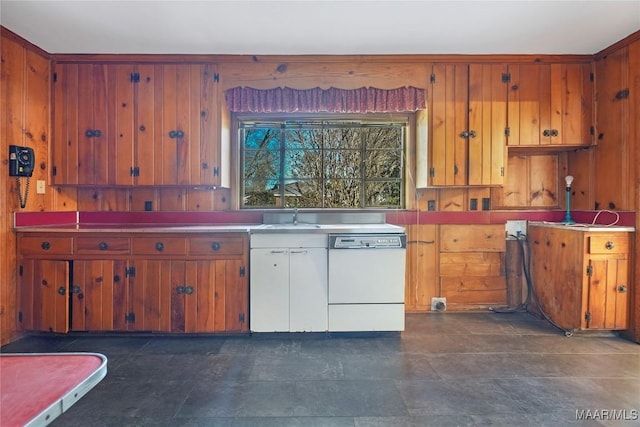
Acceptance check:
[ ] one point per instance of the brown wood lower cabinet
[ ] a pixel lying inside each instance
(184, 293)
(581, 277)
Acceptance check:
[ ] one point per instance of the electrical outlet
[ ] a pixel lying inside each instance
(431, 205)
(40, 186)
(438, 304)
(473, 204)
(514, 229)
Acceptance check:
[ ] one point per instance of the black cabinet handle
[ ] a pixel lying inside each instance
(472, 134)
(172, 134)
(622, 289)
(554, 132)
(93, 133)
(46, 246)
(546, 132)
(464, 134)
(216, 246)
(103, 246)
(179, 134)
(609, 245)
(159, 246)
(188, 290)
(62, 290)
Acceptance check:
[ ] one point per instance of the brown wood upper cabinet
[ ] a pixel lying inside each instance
(550, 105)
(468, 116)
(136, 124)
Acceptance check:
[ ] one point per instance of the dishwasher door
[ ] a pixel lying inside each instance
(366, 276)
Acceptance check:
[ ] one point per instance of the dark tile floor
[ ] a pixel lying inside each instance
(444, 370)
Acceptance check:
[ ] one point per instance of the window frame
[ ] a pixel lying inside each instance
(406, 119)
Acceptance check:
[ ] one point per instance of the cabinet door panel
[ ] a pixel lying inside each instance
(92, 302)
(308, 290)
(269, 290)
(123, 122)
(148, 131)
(487, 121)
(208, 167)
(236, 296)
(607, 305)
(66, 127)
(151, 296)
(45, 295)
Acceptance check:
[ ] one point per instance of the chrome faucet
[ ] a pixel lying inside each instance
(295, 216)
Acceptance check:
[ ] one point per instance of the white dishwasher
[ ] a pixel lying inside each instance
(288, 282)
(366, 282)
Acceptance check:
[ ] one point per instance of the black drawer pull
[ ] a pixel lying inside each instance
(103, 246)
(188, 290)
(179, 134)
(159, 246)
(46, 246)
(609, 245)
(62, 290)
(172, 134)
(216, 246)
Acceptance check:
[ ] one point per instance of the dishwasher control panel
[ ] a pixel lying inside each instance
(367, 241)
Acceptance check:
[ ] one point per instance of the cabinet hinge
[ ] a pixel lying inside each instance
(19, 316)
(592, 77)
(135, 77)
(432, 172)
(501, 170)
(589, 271)
(455, 169)
(432, 78)
(242, 271)
(216, 77)
(592, 130)
(587, 316)
(20, 270)
(216, 171)
(130, 272)
(507, 131)
(55, 77)
(241, 317)
(506, 77)
(54, 171)
(130, 318)
(135, 171)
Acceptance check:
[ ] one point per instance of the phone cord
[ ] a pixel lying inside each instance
(23, 199)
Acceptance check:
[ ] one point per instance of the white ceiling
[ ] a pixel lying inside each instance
(322, 27)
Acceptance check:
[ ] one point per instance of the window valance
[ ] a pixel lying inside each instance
(332, 100)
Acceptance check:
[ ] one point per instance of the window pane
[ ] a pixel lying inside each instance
(383, 194)
(383, 164)
(261, 167)
(343, 164)
(343, 193)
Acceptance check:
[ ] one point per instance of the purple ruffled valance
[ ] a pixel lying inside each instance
(332, 100)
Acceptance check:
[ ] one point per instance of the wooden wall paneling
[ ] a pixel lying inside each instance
(544, 182)
(581, 164)
(37, 123)
(222, 199)
(200, 199)
(421, 282)
(478, 194)
(423, 196)
(102, 199)
(171, 199)
(65, 198)
(612, 167)
(472, 238)
(634, 158)
(452, 199)
(267, 73)
(139, 195)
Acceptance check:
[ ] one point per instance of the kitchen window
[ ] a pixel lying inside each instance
(322, 162)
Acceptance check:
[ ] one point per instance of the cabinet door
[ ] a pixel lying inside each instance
(448, 119)
(92, 295)
(123, 82)
(487, 148)
(550, 105)
(150, 295)
(608, 294)
(179, 125)
(44, 295)
(206, 153)
(269, 292)
(308, 297)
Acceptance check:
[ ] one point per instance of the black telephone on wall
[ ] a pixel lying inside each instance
(21, 161)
